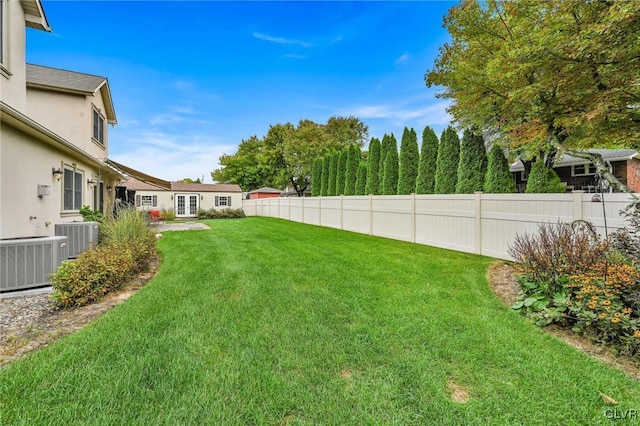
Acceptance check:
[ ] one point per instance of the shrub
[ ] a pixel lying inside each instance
(89, 215)
(93, 274)
(498, 179)
(570, 276)
(543, 180)
(127, 249)
(126, 226)
(223, 214)
(168, 214)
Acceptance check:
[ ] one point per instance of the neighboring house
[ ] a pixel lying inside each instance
(54, 135)
(579, 174)
(264, 192)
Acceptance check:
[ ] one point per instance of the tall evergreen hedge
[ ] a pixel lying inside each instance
(351, 173)
(409, 157)
(472, 166)
(361, 181)
(373, 174)
(543, 180)
(333, 173)
(385, 146)
(426, 180)
(316, 177)
(390, 179)
(498, 179)
(447, 162)
(342, 169)
(325, 174)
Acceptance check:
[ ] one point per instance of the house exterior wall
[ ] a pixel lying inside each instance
(13, 73)
(72, 118)
(633, 174)
(27, 162)
(164, 201)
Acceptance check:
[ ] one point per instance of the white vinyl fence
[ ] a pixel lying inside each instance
(475, 223)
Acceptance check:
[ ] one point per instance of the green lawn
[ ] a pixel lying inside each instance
(262, 321)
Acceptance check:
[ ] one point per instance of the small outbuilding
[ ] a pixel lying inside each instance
(264, 192)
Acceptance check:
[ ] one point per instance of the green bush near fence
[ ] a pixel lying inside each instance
(221, 214)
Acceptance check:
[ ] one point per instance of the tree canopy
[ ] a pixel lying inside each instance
(409, 158)
(426, 180)
(558, 75)
(447, 162)
(472, 166)
(285, 155)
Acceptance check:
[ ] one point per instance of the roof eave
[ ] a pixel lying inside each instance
(105, 91)
(27, 125)
(39, 20)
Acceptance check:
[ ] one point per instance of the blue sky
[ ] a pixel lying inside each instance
(191, 80)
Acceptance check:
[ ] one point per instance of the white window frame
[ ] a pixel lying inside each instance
(76, 188)
(97, 126)
(220, 203)
(589, 170)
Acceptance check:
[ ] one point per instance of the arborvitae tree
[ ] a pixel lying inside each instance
(351, 174)
(472, 166)
(385, 147)
(316, 177)
(373, 174)
(326, 161)
(426, 180)
(342, 168)
(390, 180)
(543, 180)
(361, 181)
(333, 173)
(409, 157)
(498, 179)
(447, 162)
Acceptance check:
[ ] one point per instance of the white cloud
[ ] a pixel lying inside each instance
(435, 113)
(281, 40)
(172, 157)
(402, 58)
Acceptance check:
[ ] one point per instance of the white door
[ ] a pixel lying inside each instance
(187, 205)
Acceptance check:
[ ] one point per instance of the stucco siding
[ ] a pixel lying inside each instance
(72, 117)
(13, 82)
(25, 163)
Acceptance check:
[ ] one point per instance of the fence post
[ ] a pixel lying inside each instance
(289, 208)
(478, 221)
(577, 205)
(303, 209)
(341, 212)
(320, 211)
(370, 214)
(413, 217)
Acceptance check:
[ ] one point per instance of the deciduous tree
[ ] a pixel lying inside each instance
(556, 75)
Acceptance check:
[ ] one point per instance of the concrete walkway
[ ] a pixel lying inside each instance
(179, 226)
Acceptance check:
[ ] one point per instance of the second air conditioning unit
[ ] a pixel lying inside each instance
(81, 236)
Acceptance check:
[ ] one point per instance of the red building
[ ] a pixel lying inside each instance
(264, 192)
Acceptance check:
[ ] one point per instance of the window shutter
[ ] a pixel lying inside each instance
(155, 201)
(229, 201)
(217, 201)
(138, 201)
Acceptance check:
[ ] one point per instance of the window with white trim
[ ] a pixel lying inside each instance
(72, 188)
(146, 201)
(98, 126)
(583, 170)
(223, 200)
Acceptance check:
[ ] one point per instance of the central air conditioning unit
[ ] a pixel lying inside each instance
(81, 236)
(28, 262)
